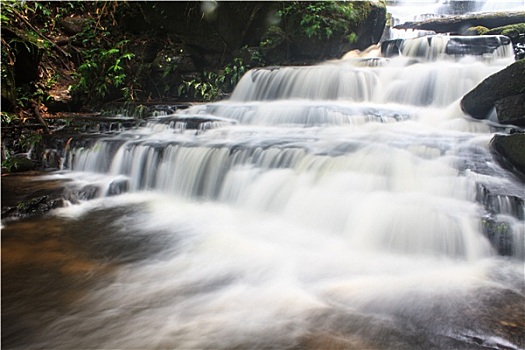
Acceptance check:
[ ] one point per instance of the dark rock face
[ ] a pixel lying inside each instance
(479, 102)
(475, 45)
(372, 26)
(502, 208)
(25, 72)
(391, 48)
(511, 151)
(511, 110)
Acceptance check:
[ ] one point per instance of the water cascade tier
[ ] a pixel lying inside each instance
(349, 204)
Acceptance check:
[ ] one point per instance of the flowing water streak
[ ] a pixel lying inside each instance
(336, 198)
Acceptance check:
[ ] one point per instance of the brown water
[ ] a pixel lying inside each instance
(91, 281)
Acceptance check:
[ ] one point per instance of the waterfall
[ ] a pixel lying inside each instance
(295, 141)
(347, 201)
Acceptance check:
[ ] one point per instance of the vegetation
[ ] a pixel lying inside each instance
(323, 19)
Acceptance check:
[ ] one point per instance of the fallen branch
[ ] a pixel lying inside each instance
(459, 24)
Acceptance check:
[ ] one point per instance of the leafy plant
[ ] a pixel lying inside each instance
(8, 118)
(234, 71)
(30, 140)
(207, 88)
(322, 19)
(101, 71)
(10, 164)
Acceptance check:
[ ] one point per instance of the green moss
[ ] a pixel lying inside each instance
(478, 30)
(512, 30)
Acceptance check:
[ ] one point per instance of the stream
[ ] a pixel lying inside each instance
(334, 206)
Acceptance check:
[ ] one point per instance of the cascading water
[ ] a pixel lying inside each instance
(332, 206)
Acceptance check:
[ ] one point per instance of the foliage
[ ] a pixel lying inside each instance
(10, 164)
(212, 84)
(29, 141)
(206, 88)
(8, 118)
(101, 71)
(103, 67)
(322, 19)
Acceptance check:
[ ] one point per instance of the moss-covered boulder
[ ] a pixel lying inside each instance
(513, 31)
(480, 101)
(477, 30)
(510, 151)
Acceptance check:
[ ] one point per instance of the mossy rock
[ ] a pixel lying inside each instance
(512, 31)
(477, 30)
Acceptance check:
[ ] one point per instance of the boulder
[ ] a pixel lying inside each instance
(479, 102)
(475, 45)
(510, 151)
(511, 110)
(73, 25)
(372, 23)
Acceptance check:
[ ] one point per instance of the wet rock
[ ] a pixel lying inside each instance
(118, 187)
(499, 234)
(477, 45)
(510, 150)
(455, 45)
(480, 101)
(76, 195)
(391, 48)
(511, 110)
(33, 206)
(497, 201)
